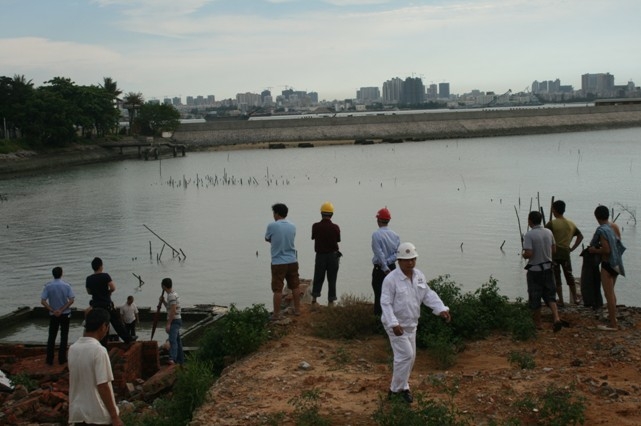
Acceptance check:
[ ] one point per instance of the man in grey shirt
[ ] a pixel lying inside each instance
(538, 247)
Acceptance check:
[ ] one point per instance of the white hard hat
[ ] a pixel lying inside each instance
(406, 251)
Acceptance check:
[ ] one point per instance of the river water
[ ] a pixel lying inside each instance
(454, 199)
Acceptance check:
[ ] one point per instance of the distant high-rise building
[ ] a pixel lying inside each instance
(190, 101)
(177, 101)
(368, 94)
(444, 90)
(600, 85)
(211, 99)
(413, 91)
(313, 97)
(392, 90)
(166, 101)
(432, 92)
(248, 100)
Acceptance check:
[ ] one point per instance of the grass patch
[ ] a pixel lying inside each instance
(556, 406)
(351, 318)
(523, 360)
(306, 409)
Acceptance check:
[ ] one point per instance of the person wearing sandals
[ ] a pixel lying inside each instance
(538, 248)
(564, 231)
(607, 243)
(284, 264)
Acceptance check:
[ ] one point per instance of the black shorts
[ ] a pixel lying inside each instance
(608, 267)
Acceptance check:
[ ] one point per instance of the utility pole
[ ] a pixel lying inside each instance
(6, 136)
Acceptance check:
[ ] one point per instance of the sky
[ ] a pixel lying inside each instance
(168, 48)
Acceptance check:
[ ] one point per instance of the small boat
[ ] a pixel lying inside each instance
(30, 325)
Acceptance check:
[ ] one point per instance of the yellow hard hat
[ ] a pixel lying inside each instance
(327, 207)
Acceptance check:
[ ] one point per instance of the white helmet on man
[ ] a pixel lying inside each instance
(406, 251)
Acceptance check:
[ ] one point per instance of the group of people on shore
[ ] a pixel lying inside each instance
(91, 396)
(547, 249)
(400, 291)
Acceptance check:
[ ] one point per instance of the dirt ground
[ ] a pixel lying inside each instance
(353, 376)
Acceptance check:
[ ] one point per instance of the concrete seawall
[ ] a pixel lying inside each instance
(422, 126)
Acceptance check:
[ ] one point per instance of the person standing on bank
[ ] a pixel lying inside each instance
(607, 243)
(100, 286)
(57, 297)
(385, 242)
(174, 322)
(538, 248)
(564, 231)
(284, 264)
(129, 313)
(91, 395)
(326, 236)
(404, 290)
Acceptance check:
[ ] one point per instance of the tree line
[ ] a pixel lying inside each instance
(60, 112)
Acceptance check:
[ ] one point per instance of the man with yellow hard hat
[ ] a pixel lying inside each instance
(326, 236)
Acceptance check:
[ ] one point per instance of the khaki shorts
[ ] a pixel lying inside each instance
(280, 273)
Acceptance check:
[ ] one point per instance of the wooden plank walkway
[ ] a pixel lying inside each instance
(146, 149)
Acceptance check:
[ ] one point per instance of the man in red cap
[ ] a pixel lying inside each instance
(385, 242)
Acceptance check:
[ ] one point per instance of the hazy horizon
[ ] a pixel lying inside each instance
(165, 48)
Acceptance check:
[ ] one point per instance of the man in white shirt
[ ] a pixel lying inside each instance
(129, 314)
(404, 290)
(91, 396)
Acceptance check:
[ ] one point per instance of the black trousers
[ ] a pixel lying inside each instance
(378, 275)
(118, 325)
(58, 323)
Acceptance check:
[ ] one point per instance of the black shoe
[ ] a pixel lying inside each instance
(404, 396)
(558, 326)
(49, 362)
(407, 396)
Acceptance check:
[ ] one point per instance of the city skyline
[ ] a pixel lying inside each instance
(165, 48)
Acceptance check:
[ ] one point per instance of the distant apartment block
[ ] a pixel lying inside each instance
(392, 90)
(248, 100)
(432, 92)
(599, 85)
(444, 90)
(368, 95)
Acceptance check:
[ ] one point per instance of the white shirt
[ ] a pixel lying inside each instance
(128, 312)
(401, 299)
(89, 366)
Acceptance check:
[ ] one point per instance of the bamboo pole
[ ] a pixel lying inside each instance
(519, 222)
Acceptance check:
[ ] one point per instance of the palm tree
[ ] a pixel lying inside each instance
(133, 101)
(111, 87)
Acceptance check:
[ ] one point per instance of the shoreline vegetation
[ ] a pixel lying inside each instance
(307, 133)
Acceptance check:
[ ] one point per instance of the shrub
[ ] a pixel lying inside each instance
(474, 316)
(237, 334)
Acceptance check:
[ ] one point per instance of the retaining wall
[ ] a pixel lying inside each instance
(421, 126)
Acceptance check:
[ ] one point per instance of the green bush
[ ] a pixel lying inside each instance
(237, 334)
(474, 316)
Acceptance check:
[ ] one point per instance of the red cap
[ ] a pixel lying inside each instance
(383, 214)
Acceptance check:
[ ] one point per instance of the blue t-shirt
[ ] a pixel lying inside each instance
(57, 293)
(281, 234)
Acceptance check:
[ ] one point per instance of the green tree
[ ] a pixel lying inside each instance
(132, 102)
(153, 119)
(15, 95)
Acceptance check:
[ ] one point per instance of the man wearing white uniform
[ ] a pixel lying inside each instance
(404, 289)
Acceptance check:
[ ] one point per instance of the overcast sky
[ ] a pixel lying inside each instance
(167, 48)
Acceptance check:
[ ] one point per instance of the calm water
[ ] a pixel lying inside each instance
(454, 199)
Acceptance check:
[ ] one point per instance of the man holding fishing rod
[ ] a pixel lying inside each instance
(100, 286)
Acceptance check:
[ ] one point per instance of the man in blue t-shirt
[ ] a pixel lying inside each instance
(281, 234)
(57, 297)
